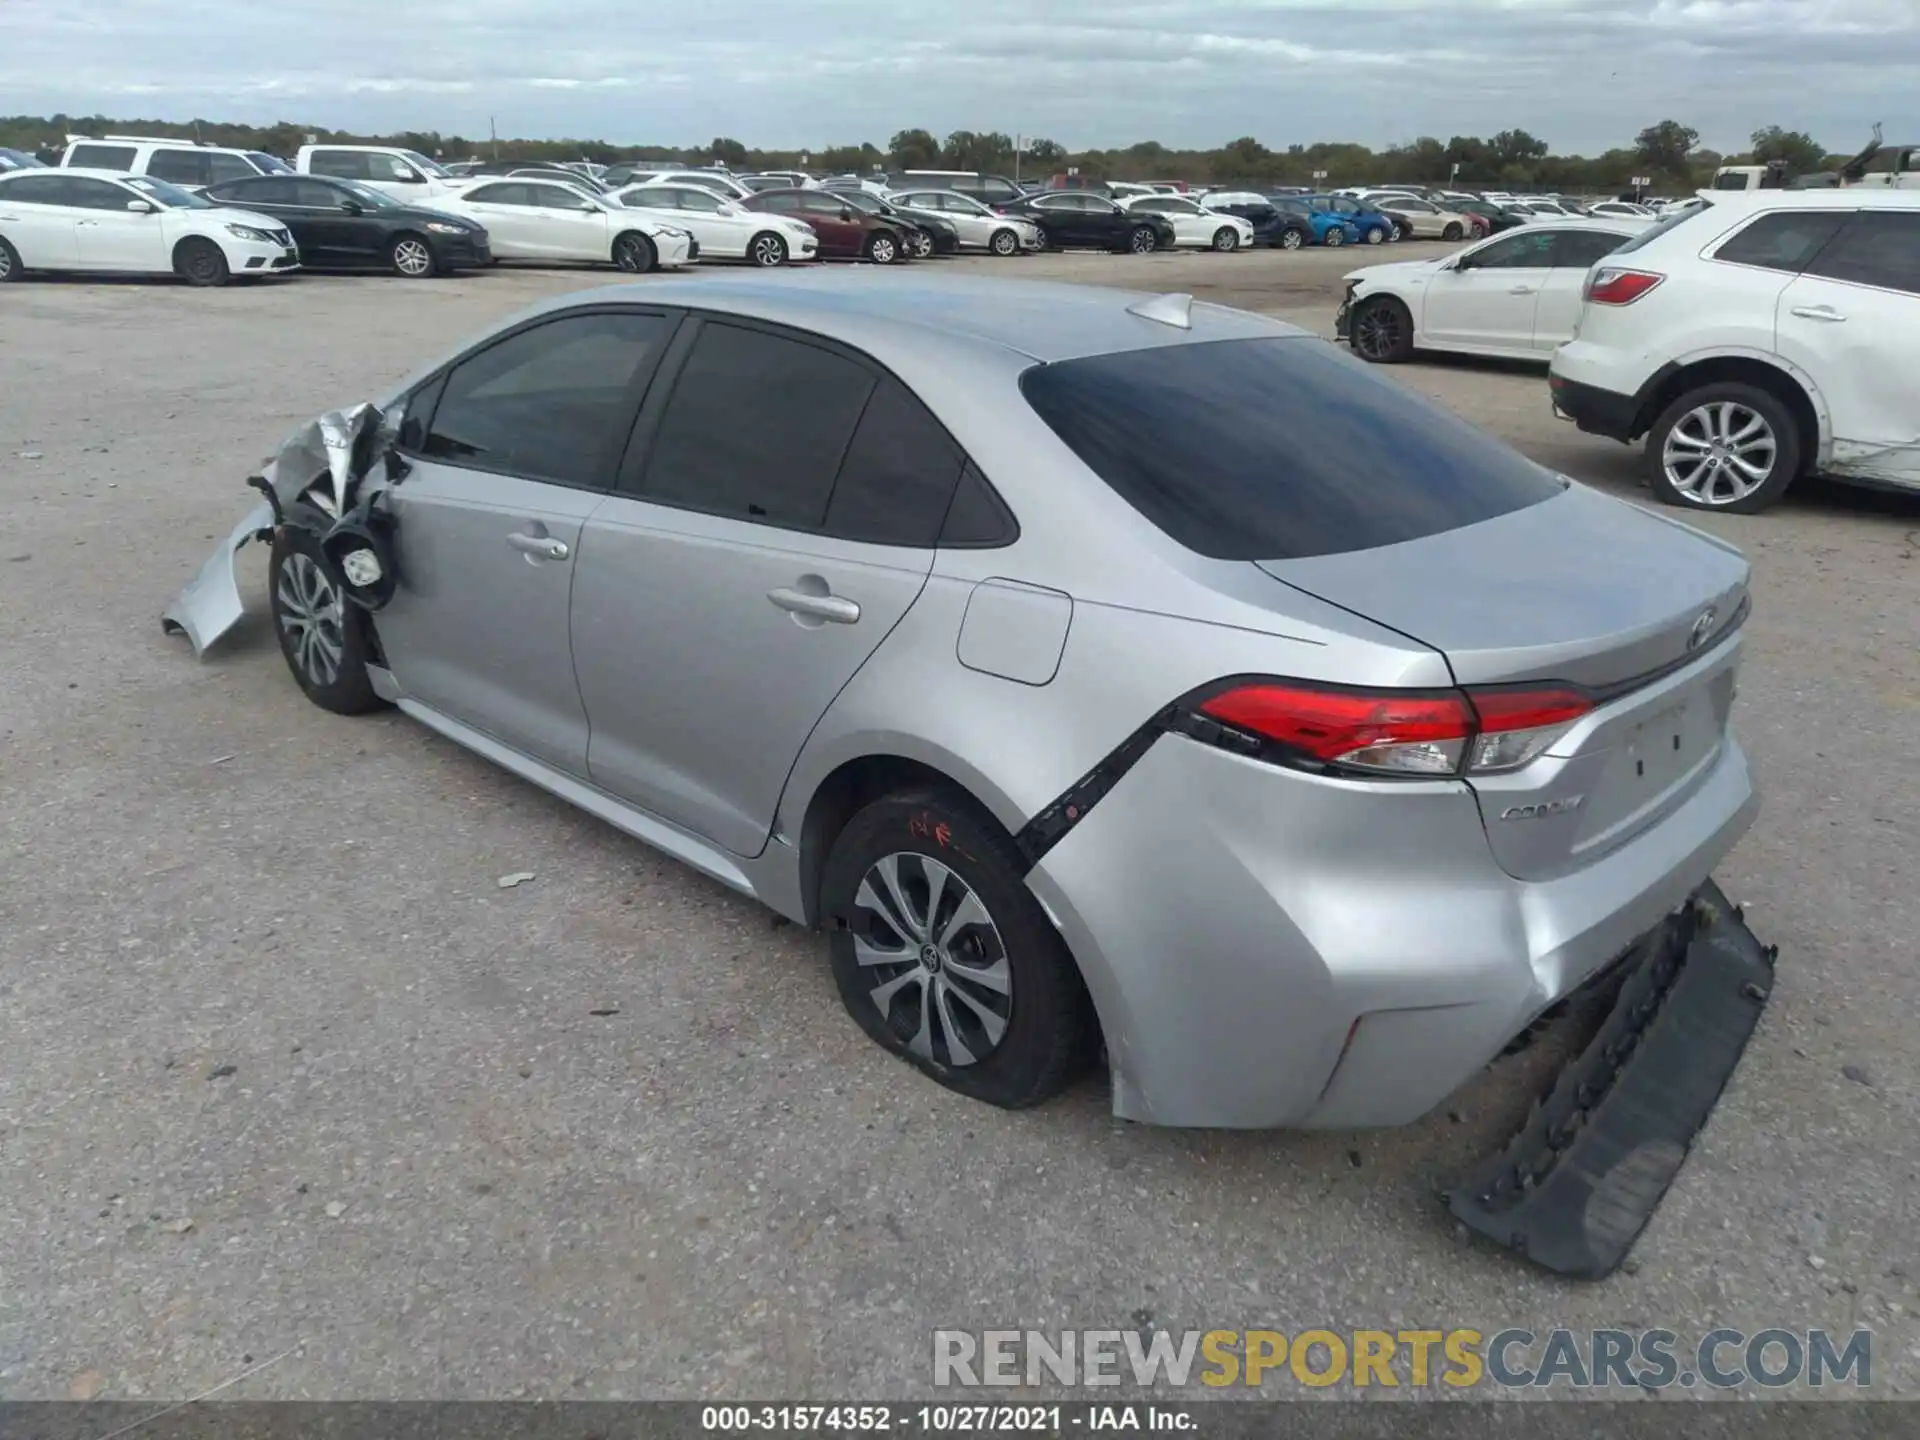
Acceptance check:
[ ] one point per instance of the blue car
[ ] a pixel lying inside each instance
(1329, 228)
(1374, 227)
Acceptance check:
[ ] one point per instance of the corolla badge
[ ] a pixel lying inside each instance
(1703, 627)
(1542, 808)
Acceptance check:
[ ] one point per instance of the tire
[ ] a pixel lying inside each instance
(1381, 331)
(767, 250)
(326, 642)
(922, 246)
(10, 266)
(883, 249)
(1291, 240)
(1004, 242)
(1724, 424)
(1376, 234)
(1226, 240)
(634, 253)
(1142, 241)
(1402, 232)
(1452, 232)
(1014, 1040)
(1336, 237)
(199, 261)
(412, 258)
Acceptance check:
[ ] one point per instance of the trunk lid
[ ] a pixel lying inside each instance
(1584, 590)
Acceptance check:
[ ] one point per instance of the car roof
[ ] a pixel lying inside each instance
(909, 312)
(1847, 197)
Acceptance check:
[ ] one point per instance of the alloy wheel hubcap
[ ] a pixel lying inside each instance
(313, 619)
(1378, 331)
(6, 263)
(767, 252)
(883, 251)
(1142, 242)
(933, 959)
(1290, 240)
(412, 257)
(1719, 453)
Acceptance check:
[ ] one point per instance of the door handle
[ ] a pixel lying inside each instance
(1521, 290)
(836, 608)
(1819, 312)
(540, 547)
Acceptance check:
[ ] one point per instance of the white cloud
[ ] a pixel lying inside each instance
(1583, 74)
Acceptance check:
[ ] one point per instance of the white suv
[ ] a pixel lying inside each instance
(178, 162)
(1754, 338)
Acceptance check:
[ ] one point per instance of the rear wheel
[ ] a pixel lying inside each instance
(411, 257)
(767, 250)
(1004, 242)
(1452, 232)
(1290, 240)
(199, 261)
(10, 267)
(1732, 447)
(1143, 241)
(1382, 331)
(942, 955)
(324, 639)
(883, 249)
(634, 253)
(1226, 239)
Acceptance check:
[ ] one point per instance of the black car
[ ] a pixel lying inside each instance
(1070, 219)
(1281, 229)
(1498, 217)
(937, 235)
(344, 225)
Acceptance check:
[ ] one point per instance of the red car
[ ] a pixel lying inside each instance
(845, 231)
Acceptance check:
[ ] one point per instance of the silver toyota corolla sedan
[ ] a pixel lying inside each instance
(1102, 672)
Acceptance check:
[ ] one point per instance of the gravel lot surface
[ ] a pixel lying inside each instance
(288, 1074)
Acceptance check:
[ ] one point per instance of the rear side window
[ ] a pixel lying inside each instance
(1879, 247)
(101, 157)
(1785, 240)
(178, 167)
(341, 164)
(223, 166)
(1306, 452)
(898, 475)
(757, 428)
(1580, 249)
(47, 189)
(554, 402)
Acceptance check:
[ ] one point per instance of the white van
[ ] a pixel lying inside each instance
(178, 162)
(404, 174)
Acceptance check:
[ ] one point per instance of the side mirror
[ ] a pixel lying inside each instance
(586, 207)
(846, 212)
(353, 207)
(406, 176)
(140, 207)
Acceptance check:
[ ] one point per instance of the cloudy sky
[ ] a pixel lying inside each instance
(1582, 74)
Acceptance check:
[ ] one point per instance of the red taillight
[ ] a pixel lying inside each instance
(1612, 285)
(1407, 732)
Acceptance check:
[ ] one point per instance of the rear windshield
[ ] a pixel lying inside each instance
(1663, 225)
(1277, 449)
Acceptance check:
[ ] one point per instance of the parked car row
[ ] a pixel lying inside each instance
(1751, 340)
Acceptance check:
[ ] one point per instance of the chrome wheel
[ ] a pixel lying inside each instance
(882, 250)
(1289, 239)
(412, 258)
(934, 961)
(1336, 236)
(768, 251)
(1225, 239)
(1005, 242)
(1720, 453)
(312, 616)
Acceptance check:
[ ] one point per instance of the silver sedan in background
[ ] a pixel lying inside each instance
(1297, 783)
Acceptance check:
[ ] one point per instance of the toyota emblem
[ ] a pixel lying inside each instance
(1703, 627)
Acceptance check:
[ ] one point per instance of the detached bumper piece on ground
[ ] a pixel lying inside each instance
(1577, 1185)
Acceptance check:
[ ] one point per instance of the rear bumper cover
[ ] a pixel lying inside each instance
(1577, 1185)
(1594, 410)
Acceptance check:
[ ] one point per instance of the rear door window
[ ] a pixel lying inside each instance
(552, 402)
(1879, 248)
(757, 428)
(47, 189)
(179, 167)
(1277, 449)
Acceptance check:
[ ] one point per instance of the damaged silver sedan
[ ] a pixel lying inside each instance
(899, 604)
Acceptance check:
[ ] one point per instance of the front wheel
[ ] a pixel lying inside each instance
(1004, 242)
(1452, 232)
(1730, 447)
(1290, 240)
(1382, 331)
(767, 250)
(1376, 234)
(943, 956)
(634, 254)
(1142, 241)
(922, 246)
(1226, 239)
(200, 262)
(10, 266)
(411, 257)
(324, 638)
(883, 250)
(1336, 237)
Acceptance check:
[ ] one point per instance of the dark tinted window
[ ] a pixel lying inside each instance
(511, 193)
(36, 190)
(898, 475)
(222, 166)
(413, 425)
(554, 197)
(262, 191)
(1306, 452)
(102, 157)
(269, 164)
(1879, 247)
(785, 204)
(179, 167)
(551, 403)
(1785, 240)
(977, 519)
(91, 194)
(1579, 249)
(1529, 250)
(757, 428)
(342, 164)
(313, 194)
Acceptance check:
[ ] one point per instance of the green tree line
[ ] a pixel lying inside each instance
(1667, 151)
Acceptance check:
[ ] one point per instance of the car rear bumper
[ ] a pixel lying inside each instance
(1266, 948)
(1594, 410)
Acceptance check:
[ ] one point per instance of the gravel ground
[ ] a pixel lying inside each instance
(288, 1074)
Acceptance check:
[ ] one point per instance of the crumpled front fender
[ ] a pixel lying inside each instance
(210, 606)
